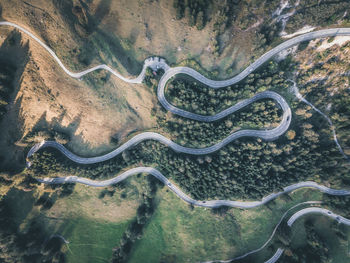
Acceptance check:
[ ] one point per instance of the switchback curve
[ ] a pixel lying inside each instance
(174, 71)
(290, 222)
(149, 62)
(169, 73)
(264, 134)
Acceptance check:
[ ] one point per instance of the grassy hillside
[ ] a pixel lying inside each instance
(95, 114)
(179, 233)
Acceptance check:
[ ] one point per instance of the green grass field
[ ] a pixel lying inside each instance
(92, 225)
(178, 234)
(91, 240)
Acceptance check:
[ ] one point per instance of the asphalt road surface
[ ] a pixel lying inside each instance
(317, 210)
(156, 63)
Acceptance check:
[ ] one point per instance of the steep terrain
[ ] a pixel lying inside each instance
(97, 113)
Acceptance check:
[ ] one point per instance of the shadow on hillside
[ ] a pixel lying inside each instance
(56, 125)
(14, 56)
(102, 10)
(92, 38)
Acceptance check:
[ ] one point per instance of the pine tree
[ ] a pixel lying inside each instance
(200, 21)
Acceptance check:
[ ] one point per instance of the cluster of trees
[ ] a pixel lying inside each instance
(330, 92)
(134, 230)
(39, 136)
(318, 13)
(51, 162)
(152, 77)
(315, 249)
(259, 115)
(267, 34)
(245, 15)
(246, 168)
(338, 204)
(222, 19)
(194, 11)
(198, 98)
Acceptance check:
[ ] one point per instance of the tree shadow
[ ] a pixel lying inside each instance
(56, 124)
(14, 53)
(14, 56)
(94, 20)
(93, 38)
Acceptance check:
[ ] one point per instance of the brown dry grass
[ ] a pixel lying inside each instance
(144, 28)
(49, 97)
(152, 29)
(91, 115)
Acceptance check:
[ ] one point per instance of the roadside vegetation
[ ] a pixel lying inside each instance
(306, 152)
(314, 238)
(319, 13)
(248, 168)
(135, 228)
(188, 94)
(325, 84)
(178, 231)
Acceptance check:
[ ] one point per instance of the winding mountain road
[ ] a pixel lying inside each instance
(269, 239)
(290, 222)
(169, 73)
(185, 197)
(159, 63)
(317, 210)
(156, 63)
(276, 256)
(264, 134)
(150, 62)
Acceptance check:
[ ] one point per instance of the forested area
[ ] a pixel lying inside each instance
(263, 114)
(246, 168)
(325, 84)
(316, 249)
(338, 204)
(319, 13)
(194, 11)
(200, 99)
(188, 94)
(268, 18)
